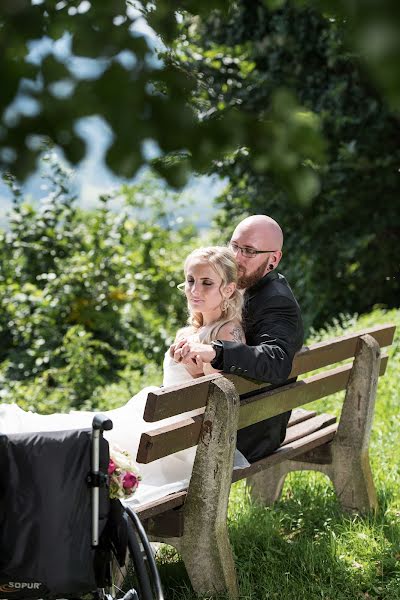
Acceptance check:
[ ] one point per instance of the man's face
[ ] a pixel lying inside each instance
(250, 269)
(249, 276)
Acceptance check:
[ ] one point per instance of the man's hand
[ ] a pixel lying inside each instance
(190, 351)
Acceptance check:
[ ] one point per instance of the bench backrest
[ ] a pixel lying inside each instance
(258, 400)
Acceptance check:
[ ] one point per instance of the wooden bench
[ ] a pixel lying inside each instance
(195, 520)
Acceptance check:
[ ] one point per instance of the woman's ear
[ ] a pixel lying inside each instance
(229, 289)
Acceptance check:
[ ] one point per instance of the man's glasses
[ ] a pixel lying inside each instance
(247, 252)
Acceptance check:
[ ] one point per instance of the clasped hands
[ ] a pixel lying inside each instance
(192, 355)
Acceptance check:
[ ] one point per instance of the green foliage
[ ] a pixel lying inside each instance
(373, 32)
(88, 298)
(132, 91)
(97, 59)
(339, 250)
(283, 138)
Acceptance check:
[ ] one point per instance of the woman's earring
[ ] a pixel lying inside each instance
(225, 305)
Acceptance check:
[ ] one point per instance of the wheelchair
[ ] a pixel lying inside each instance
(61, 536)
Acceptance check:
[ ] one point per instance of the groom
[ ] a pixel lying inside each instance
(272, 323)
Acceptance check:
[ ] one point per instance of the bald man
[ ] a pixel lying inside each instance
(272, 324)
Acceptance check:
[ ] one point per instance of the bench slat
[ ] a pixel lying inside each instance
(304, 428)
(164, 441)
(299, 415)
(298, 393)
(322, 354)
(161, 505)
(290, 451)
(166, 402)
(153, 447)
(284, 452)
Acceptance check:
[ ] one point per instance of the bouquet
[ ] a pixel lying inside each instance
(123, 475)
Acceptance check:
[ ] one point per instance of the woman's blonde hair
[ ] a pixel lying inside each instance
(222, 260)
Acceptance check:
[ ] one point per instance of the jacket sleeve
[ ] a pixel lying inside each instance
(277, 341)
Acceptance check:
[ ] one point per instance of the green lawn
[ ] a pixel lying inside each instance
(304, 547)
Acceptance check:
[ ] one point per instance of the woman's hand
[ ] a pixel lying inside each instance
(194, 366)
(176, 350)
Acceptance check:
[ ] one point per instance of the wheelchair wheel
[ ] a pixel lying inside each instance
(139, 578)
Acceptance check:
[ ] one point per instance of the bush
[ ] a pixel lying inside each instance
(88, 298)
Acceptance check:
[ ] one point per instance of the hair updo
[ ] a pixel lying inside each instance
(223, 261)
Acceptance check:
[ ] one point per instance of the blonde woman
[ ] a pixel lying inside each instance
(215, 307)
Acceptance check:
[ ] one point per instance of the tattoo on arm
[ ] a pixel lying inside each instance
(237, 334)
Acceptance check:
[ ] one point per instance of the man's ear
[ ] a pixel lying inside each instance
(276, 258)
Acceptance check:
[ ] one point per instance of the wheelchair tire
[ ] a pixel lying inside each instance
(141, 572)
(153, 576)
(146, 579)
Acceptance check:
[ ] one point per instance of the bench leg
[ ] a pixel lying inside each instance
(205, 545)
(352, 479)
(266, 486)
(346, 458)
(351, 471)
(209, 564)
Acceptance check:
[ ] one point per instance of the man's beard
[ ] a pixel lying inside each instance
(246, 281)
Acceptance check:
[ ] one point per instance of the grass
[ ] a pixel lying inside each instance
(304, 547)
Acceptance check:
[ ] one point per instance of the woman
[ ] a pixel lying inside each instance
(215, 307)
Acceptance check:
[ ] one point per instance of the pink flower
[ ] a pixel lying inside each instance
(123, 476)
(130, 480)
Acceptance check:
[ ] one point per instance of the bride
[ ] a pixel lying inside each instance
(215, 307)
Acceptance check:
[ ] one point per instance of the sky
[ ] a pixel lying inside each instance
(91, 178)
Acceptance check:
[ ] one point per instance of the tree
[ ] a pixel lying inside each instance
(112, 72)
(138, 97)
(339, 251)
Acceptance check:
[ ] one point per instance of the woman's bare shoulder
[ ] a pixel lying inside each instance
(232, 331)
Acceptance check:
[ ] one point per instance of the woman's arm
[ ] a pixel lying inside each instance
(231, 332)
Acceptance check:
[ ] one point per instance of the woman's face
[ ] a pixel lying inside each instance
(203, 289)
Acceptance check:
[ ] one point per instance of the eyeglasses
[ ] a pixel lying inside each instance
(247, 252)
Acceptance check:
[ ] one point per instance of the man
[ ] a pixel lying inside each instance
(272, 323)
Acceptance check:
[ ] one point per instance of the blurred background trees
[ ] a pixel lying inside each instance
(62, 61)
(342, 249)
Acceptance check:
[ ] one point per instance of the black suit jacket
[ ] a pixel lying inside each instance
(274, 333)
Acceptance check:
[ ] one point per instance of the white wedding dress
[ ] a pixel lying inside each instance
(163, 476)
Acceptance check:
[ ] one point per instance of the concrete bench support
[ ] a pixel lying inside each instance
(346, 461)
(205, 546)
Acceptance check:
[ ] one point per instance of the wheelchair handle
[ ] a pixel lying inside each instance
(100, 423)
